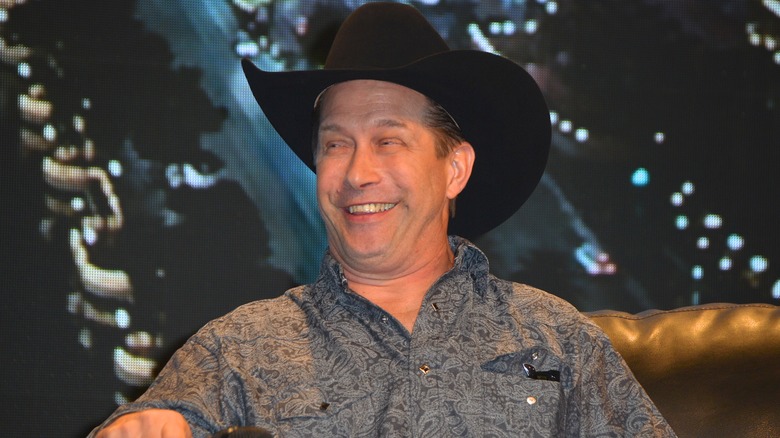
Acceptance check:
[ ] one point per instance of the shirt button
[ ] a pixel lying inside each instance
(384, 319)
(425, 368)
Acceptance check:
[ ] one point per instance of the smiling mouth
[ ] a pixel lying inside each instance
(369, 208)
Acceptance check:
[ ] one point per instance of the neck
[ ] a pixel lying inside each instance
(401, 294)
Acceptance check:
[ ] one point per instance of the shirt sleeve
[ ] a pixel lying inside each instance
(196, 382)
(607, 400)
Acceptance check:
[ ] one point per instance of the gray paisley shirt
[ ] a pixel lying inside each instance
(323, 361)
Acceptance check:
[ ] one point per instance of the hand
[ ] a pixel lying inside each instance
(152, 423)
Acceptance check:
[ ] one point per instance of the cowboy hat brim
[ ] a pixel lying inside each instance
(496, 103)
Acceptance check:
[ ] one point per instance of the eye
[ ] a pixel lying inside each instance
(390, 142)
(334, 147)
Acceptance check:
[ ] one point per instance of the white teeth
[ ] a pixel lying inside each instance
(369, 208)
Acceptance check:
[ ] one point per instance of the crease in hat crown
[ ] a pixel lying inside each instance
(383, 35)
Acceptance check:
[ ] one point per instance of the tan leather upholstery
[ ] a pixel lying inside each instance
(713, 370)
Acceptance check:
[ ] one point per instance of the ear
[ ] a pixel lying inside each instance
(462, 162)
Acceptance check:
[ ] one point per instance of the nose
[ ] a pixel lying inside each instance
(363, 169)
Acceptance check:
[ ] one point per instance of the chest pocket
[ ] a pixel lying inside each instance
(517, 404)
(328, 408)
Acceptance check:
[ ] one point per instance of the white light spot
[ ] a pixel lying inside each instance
(90, 236)
(77, 203)
(85, 338)
(78, 123)
(195, 179)
(139, 340)
(74, 303)
(725, 263)
(777, 57)
(677, 199)
(49, 132)
(122, 318)
(695, 298)
(697, 272)
(776, 290)
(530, 26)
(174, 176)
(713, 221)
(494, 28)
(553, 117)
(551, 8)
(247, 49)
(581, 135)
(659, 137)
(770, 42)
(45, 227)
(759, 264)
(681, 222)
(640, 177)
(703, 243)
(301, 25)
(687, 188)
(750, 27)
(115, 168)
(754, 39)
(120, 398)
(479, 39)
(509, 27)
(24, 70)
(565, 126)
(3, 15)
(735, 242)
(160, 273)
(86, 103)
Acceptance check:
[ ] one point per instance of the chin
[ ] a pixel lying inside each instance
(364, 248)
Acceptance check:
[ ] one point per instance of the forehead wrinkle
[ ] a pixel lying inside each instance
(389, 123)
(379, 123)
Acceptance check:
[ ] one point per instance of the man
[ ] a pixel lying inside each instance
(405, 332)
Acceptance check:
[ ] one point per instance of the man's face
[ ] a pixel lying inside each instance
(382, 191)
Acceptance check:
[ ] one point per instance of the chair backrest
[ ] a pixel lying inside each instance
(713, 370)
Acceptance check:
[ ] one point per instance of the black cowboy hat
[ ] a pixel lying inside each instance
(496, 103)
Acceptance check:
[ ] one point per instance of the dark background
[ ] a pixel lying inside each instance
(217, 212)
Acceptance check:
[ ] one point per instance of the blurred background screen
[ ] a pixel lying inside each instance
(144, 193)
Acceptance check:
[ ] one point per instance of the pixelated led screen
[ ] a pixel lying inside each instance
(144, 193)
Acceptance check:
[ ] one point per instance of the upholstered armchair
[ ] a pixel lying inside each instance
(713, 370)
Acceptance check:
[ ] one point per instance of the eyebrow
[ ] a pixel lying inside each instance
(330, 127)
(390, 123)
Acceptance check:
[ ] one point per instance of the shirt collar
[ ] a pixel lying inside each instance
(331, 284)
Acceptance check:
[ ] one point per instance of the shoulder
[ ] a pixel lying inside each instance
(281, 317)
(544, 314)
(531, 301)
